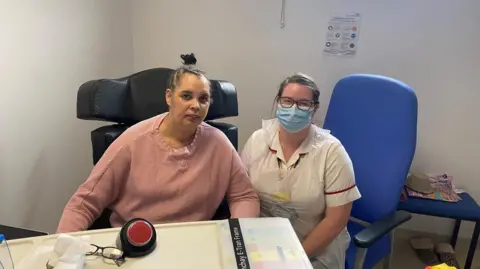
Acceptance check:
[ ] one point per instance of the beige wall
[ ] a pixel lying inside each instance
(47, 49)
(431, 45)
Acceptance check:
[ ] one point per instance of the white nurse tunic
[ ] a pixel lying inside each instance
(318, 175)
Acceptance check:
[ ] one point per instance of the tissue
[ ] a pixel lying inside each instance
(69, 252)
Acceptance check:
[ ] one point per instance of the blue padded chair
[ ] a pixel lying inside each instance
(375, 118)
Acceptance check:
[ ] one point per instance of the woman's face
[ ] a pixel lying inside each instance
(301, 94)
(190, 100)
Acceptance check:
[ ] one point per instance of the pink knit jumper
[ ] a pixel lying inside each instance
(141, 176)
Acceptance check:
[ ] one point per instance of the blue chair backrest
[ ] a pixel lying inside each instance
(375, 118)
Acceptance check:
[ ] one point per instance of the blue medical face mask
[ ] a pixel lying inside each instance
(293, 119)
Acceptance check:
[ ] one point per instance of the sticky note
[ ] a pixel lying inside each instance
(264, 256)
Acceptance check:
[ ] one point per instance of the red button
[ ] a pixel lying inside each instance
(139, 233)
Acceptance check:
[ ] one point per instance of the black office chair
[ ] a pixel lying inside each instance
(129, 100)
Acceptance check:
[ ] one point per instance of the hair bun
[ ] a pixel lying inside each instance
(189, 59)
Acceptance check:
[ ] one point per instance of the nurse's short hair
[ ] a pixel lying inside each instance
(302, 79)
(177, 75)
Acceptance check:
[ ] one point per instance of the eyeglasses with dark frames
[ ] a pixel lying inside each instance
(287, 102)
(111, 253)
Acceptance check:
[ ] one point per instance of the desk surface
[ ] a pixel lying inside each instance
(465, 209)
(270, 243)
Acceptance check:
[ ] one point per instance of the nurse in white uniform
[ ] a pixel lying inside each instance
(303, 173)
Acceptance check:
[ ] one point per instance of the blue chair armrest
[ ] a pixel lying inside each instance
(378, 229)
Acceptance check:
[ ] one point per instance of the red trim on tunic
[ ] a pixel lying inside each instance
(340, 191)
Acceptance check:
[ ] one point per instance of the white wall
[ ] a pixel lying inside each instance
(430, 44)
(47, 49)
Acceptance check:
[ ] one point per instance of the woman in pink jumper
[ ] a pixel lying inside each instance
(169, 168)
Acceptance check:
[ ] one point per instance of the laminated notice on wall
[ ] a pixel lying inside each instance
(342, 35)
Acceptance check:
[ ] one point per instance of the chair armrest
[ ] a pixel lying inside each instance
(378, 229)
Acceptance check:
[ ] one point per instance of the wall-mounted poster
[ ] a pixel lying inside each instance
(342, 35)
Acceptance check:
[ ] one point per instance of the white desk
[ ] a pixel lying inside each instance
(269, 243)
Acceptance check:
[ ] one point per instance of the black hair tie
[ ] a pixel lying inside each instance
(189, 59)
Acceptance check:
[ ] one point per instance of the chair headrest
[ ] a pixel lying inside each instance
(142, 95)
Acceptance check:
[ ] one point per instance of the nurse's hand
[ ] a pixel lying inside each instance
(336, 219)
